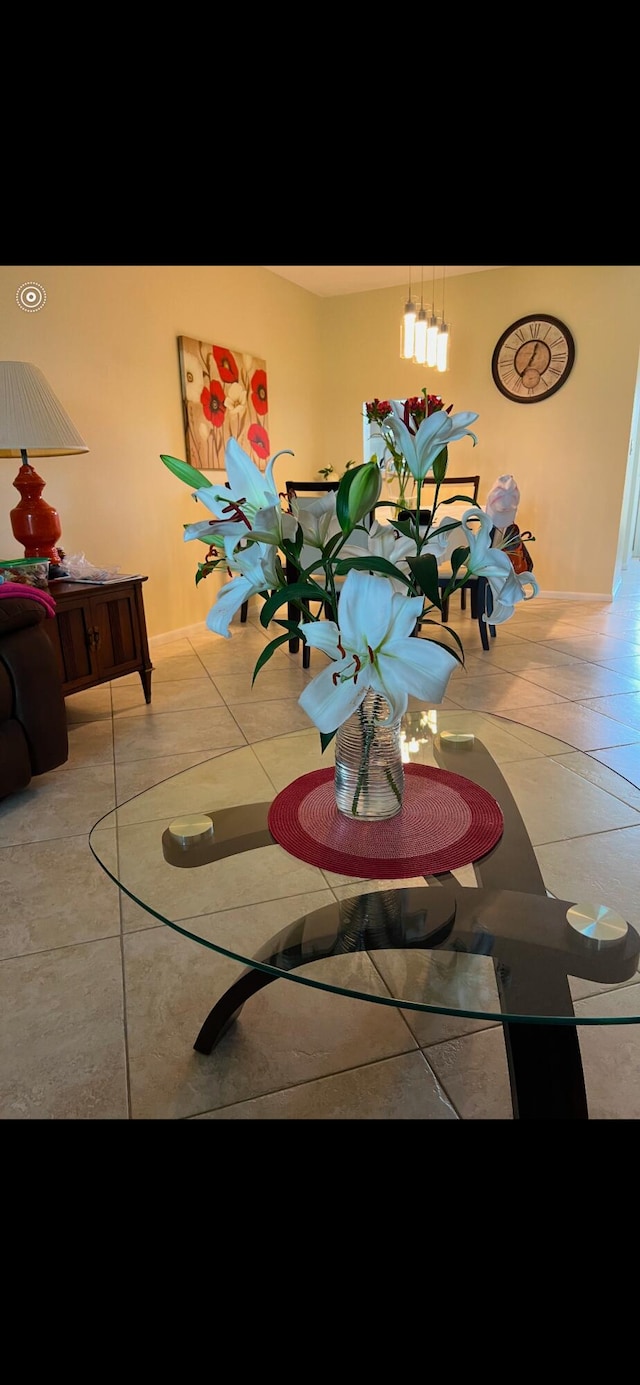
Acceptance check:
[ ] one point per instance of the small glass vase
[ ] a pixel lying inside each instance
(369, 772)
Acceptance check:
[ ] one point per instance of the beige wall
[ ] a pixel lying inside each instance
(106, 341)
(568, 453)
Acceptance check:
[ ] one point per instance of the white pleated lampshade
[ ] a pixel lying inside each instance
(32, 419)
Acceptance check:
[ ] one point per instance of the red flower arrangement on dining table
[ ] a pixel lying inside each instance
(414, 411)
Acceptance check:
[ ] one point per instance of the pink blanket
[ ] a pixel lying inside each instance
(34, 593)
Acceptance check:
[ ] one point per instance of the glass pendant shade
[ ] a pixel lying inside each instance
(432, 337)
(442, 350)
(420, 338)
(408, 330)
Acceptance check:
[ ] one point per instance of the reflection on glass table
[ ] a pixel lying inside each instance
(489, 940)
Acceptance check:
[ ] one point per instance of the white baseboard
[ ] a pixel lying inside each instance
(172, 636)
(574, 596)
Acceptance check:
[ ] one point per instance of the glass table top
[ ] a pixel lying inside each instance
(498, 939)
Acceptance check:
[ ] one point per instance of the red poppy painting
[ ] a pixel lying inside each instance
(224, 395)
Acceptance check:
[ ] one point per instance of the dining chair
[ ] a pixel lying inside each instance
(312, 490)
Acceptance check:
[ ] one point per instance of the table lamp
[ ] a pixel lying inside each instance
(33, 421)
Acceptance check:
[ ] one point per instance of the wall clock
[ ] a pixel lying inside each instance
(533, 358)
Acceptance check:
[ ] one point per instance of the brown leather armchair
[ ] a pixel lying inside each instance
(33, 722)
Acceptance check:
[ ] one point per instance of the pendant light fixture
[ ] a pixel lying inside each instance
(420, 331)
(407, 331)
(442, 344)
(432, 328)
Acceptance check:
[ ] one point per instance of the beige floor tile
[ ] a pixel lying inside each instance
(91, 705)
(173, 733)
(545, 628)
(596, 648)
(538, 741)
(624, 708)
(625, 760)
(90, 743)
(402, 1088)
(187, 666)
(602, 868)
(223, 780)
(161, 650)
(56, 895)
(63, 803)
(576, 725)
(500, 694)
(517, 658)
(261, 720)
(629, 667)
(293, 755)
(138, 775)
(474, 1075)
(62, 1052)
(270, 685)
(556, 805)
(286, 1034)
(266, 873)
(448, 979)
(185, 694)
(611, 1057)
(580, 680)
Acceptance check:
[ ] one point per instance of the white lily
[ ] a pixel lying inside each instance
(249, 489)
(223, 533)
(317, 518)
(506, 597)
(383, 541)
(373, 648)
(507, 586)
(437, 431)
(257, 573)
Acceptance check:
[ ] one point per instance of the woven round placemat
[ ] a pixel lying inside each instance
(445, 821)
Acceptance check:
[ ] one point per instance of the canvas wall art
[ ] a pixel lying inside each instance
(224, 394)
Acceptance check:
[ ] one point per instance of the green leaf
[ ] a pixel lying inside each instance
(451, 499)
(425, 572)
(458, 557)
(294, 591)
(266, 654)
(326, 738)
(404, 526)
(437, 624)
(186, 473)
(369, 563)
(440, 466)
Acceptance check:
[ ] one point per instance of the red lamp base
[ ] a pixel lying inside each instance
(35, 524)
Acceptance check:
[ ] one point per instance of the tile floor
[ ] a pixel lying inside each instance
(101, 1004)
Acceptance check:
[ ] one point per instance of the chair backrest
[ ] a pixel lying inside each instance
(459, 482)
(311, 488)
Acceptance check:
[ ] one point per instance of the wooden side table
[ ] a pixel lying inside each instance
(99, 632)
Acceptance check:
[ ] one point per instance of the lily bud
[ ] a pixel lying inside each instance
(358, 492)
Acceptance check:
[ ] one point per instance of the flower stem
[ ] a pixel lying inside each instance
(368, 731)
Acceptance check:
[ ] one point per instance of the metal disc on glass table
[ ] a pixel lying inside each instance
(191, 830)
(597, 925)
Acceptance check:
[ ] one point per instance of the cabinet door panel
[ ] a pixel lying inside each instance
(70, 635)
(118, 641)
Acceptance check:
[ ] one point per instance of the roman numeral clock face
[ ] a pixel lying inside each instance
(533, 358)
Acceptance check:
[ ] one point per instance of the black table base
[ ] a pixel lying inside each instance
(534, 952)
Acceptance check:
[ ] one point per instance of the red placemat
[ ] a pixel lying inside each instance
(450, 819)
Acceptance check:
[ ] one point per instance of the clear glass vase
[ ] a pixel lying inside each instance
(369, 773)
